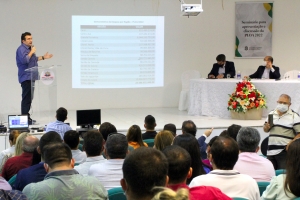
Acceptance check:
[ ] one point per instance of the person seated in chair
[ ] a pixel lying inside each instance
(267, 71)
(222, 68)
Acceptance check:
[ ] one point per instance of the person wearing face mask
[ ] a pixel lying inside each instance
(267, 70)
(222, 68)
(285, 127)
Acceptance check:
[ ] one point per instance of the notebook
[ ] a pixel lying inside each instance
(18, 122)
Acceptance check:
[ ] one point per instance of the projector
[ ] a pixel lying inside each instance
(191, 9)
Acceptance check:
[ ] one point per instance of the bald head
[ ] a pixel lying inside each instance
(287, 97)
(30, 143)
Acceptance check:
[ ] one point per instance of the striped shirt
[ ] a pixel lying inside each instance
(59, 127)
(285, 128)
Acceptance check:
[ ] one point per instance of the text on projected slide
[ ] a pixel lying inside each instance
(114, 53)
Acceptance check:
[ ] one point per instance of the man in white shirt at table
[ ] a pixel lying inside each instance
(110, 171)
(267, 70)
(249, 162)
(223, 156)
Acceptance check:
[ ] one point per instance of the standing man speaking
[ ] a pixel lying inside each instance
(26, 58)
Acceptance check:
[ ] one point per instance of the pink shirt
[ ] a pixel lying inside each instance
(258, 167)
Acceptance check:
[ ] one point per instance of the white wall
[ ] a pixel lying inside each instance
(190, 43)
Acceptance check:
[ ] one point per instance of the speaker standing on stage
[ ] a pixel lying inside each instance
(26, 58)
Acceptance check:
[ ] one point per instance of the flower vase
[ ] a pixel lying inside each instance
(252, 114)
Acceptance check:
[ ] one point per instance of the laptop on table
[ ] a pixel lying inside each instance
(18, 122)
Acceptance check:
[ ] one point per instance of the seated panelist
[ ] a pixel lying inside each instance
(222, 68)
(267, 71)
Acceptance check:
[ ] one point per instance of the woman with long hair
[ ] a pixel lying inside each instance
(19, 143)
(190, 143)
(287, 186)
(163, 139)
(134, 137)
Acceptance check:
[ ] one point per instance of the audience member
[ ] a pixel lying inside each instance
(180, 169)
(224, 154)
(36, 173)
(36, 157)
(9, 152)
(163, 139)
(168, 194)
(286, 186)
(202, 144)
(143, 170)
(189, 127)
(110, 172)
(190, 143)
(286, 124)
(249, 162)
(222, 68)
(62, 181)
(93, 146)
(149, 125)
(224, 134)
(12, 194)
(134, 137)
(16, 163)
(71, 138)
(19, 143)
(107, 128)
(4, 185)
(233, 130)
(59, 126)
(172, 128)
(267, 71)
(206, 161)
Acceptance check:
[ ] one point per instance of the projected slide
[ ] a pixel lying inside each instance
(117, 51)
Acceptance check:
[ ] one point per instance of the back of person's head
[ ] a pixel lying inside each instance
(171, 127)
(224, 134)
(163, 139)
(57, 154)
(292, 180)
(150, 122)
(189, 127)
(61, 114)
(179, 163)
(107, 128)
(71, 138)
(143, 169)
(233, 130)
(19, 143)
(134, 134)
(190, 143)
(116, 146)
(93, 143)
(168, 194)
(30, 143)
(48, 138)
(13, 135)
(211, 141)
(248, 139)
(221, 57)
(224, 153)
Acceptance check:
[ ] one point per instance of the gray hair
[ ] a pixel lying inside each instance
(116, 146)
(30, 143)
(248, 139)
(287, 97)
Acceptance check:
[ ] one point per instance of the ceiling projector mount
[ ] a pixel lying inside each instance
(190, 9)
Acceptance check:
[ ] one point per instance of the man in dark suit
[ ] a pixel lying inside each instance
(268, 71)
(222, 68)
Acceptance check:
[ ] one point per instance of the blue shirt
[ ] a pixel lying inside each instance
(33, 174)
(58, 127)
(24, 62)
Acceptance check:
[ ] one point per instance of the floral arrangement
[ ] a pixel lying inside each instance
(246, 97)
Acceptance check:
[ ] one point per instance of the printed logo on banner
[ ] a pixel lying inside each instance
(47, 77)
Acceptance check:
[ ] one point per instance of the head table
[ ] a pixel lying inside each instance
(209, 97)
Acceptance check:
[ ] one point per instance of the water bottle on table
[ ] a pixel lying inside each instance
(298, 76)
(239, 75)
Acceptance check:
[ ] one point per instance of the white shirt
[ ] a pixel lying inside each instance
(9, 152)
(222, 69)
(79, 156)
(230, 182)
(258, 167)
(266, 74)
(108, 172)
(84, 167)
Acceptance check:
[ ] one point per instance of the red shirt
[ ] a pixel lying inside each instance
(15, 164)
(202, 192)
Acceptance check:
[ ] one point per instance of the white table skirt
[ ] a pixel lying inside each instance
(209, 97)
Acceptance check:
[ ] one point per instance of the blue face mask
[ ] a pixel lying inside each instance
(282, 107)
